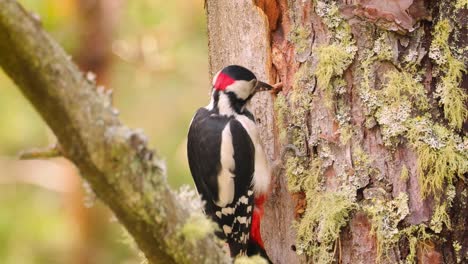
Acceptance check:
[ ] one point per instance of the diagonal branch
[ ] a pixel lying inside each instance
(114, 159)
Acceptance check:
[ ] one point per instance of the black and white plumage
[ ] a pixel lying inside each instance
(227, 161)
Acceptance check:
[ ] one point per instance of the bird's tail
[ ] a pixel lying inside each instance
(256, 246)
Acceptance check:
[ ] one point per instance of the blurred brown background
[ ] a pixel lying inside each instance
(153, 55)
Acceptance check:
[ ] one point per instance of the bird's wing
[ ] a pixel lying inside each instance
(221, 157)
(235, 218)
(203, 150)
(262, 174)
(244, 157)
(222, 162)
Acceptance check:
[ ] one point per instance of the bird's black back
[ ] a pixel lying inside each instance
(203, 149)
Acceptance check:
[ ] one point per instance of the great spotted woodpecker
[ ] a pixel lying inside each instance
(227, 161)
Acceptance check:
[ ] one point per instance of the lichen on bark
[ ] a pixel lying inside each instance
(452, 97)
(397, 166)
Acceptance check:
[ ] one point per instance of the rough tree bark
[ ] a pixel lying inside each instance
(370, 128)
(167, 226)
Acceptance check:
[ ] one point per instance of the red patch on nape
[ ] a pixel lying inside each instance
(222, 81)
(256, 219)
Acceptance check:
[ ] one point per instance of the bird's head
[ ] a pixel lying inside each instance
(239, 81)
(238, 84)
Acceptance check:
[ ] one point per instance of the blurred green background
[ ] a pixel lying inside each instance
(156, 63)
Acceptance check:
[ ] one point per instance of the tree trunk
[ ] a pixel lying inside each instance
(369, 130)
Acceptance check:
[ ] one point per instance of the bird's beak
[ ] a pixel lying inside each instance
(261, 86)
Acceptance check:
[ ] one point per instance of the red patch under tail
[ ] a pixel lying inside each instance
(256, 219)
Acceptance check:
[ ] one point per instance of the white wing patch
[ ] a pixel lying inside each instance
(262, 173)
(226, 177)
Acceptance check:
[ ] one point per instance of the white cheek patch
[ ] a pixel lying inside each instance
(226, 177)
(243, 89)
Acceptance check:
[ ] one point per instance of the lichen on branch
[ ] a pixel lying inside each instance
(114, 160)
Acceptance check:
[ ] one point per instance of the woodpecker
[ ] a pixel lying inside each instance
(227, 161)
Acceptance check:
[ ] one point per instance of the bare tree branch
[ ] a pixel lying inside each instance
(114, 159)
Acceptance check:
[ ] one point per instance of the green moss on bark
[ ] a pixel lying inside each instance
(440, 216)
(452, 97)
(461, 4)
(303, 176)
(441, 155)
(401, 96)
(392, 85)
(326, 213)
(385, 218)
(197, 227)
(362, 168)
(415, 235)
(404, 174)
(319, 229)
(457, 247)
(300, 36)
(333, 60)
